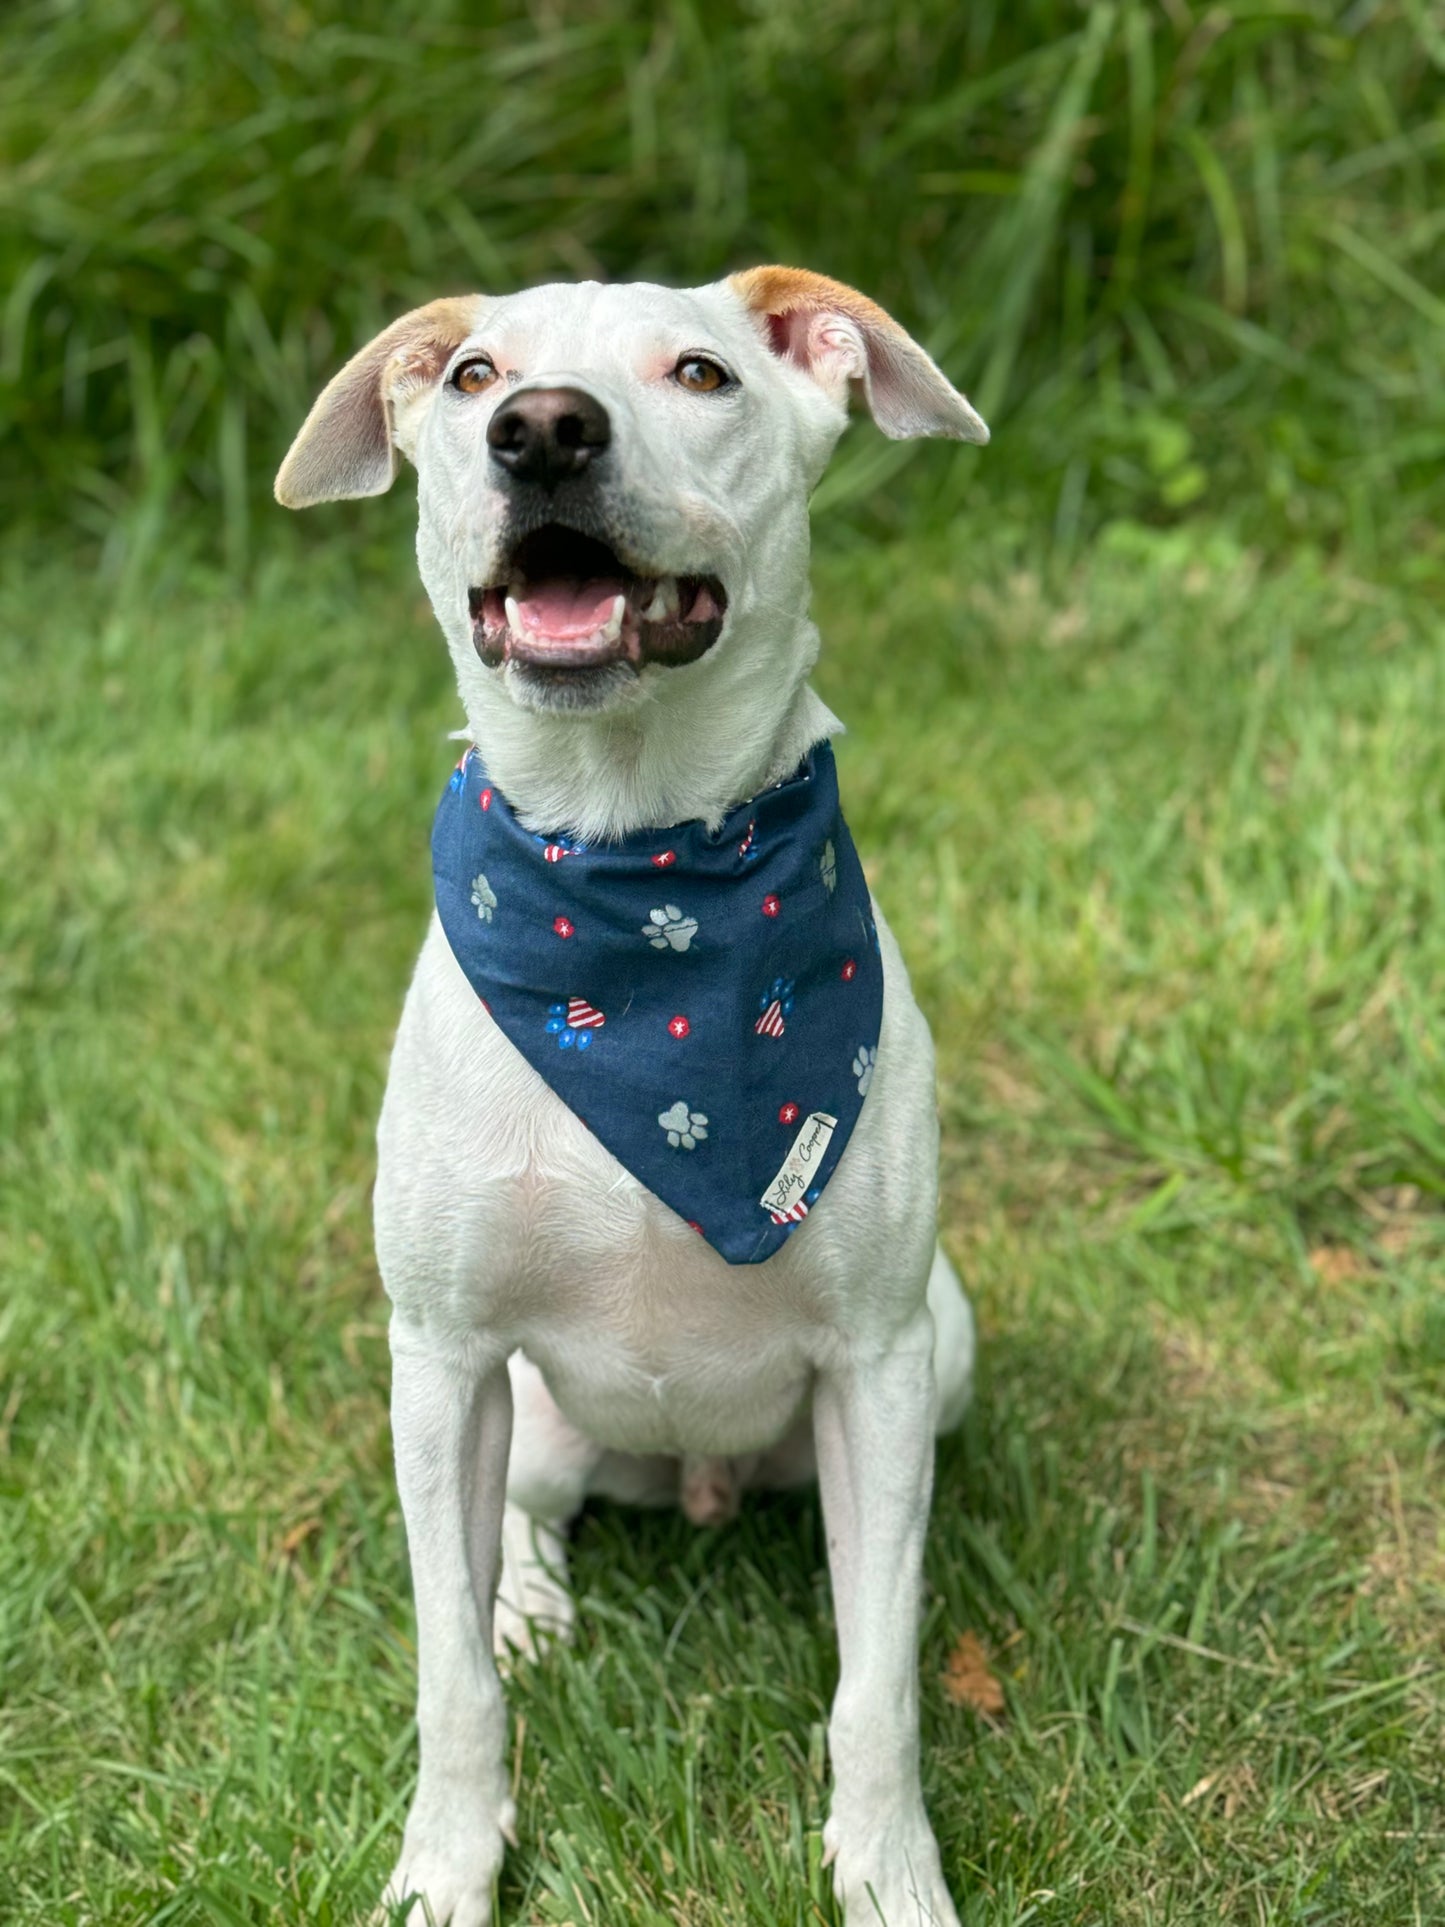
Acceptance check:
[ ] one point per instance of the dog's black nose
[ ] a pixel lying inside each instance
(546, 434)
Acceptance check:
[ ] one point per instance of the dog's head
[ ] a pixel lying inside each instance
(613, 480)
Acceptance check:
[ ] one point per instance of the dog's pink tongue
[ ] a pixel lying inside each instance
(566, 611)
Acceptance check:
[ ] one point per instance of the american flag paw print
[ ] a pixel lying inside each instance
(554, 848)
(573, 1022)
(776, 1005)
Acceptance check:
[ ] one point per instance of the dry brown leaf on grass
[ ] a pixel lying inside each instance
(1230, 1789)
(297, 1536)
(1338, 1265)
(969, 1680)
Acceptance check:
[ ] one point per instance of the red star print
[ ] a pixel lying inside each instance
(849, 971)
(664, 858)
(693, 1225)
(563, 927)
(788, 1114)
(485, 799)
(771, 905)
(679, 1026)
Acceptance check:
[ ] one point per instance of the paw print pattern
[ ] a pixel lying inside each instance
(562, 846)
(776, 1003)
(794, 1214)
(553, 848)
(573, 1023)
(760, 929)
(685, 1128)
(669, 929)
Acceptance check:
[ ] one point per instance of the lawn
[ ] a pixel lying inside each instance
(1160, 823)
(1147, 762)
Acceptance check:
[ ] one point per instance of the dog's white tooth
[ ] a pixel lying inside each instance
(612, 628)
(664, 604)
(514, 615)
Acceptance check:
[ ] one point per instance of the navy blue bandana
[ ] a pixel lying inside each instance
(708, 1005)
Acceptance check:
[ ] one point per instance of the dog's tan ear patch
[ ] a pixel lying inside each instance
(839, 336)
(346, 446)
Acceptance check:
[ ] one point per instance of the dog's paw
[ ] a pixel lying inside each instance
(539, 1613)
(445, 1879)
(889, 1876)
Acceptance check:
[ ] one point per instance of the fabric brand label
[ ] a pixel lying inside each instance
(800, 1167)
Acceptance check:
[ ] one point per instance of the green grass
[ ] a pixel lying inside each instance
(1161, 829)
(1186, 254)
(1148, 764)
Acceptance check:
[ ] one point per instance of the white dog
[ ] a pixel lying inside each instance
(613, 489)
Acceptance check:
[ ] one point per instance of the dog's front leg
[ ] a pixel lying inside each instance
(452, 1425)
(873, 1423)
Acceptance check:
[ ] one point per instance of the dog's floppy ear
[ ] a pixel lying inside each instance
(346, 446)
(839, 336)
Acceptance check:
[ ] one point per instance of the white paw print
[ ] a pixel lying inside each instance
(685, 1128)
(828, 867)
(669, 929)
(863, 1064)
(484, 897)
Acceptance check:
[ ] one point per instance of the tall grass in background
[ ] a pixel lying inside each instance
(1181, 253)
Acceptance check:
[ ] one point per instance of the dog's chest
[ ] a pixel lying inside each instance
(498, 1209)
(648, 1340)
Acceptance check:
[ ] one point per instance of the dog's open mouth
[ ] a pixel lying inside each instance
(569, 603)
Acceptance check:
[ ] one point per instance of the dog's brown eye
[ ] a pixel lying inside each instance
(701, 376)
(474, 376)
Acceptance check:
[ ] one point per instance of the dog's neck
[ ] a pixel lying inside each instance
(693, 750)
